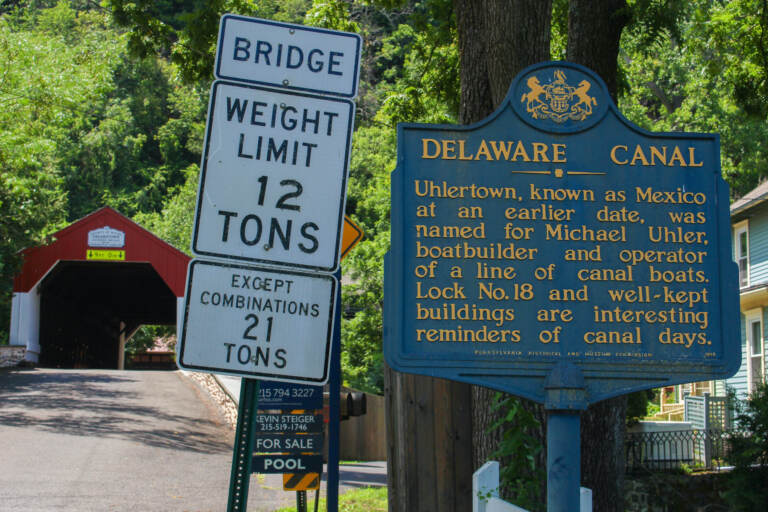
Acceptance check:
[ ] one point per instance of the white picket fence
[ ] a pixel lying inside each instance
(485, 492)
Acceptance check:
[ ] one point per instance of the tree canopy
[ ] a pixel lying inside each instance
(105, 104)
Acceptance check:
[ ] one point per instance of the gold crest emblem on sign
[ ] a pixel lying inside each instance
(558, 100)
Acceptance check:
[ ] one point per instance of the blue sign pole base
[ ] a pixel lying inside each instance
(334, 410)
(563, 460)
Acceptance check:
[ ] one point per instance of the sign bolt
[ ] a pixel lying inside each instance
(267, 247)
(286, 82)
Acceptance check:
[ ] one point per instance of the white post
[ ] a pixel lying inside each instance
(485, 484)
(121, 348)
(585, 500)
(485, 492)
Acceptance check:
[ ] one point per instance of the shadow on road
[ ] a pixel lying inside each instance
(104, 404)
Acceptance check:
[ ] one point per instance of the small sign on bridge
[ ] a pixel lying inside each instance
(289, 56)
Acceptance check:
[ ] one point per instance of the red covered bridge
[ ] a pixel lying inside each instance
(78, 299)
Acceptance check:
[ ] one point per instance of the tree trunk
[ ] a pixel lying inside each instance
(594, 31)
(497, 39)
(602, 453)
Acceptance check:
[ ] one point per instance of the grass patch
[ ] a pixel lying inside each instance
(366, 499)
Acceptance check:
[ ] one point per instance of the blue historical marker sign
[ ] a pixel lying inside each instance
(555, 245)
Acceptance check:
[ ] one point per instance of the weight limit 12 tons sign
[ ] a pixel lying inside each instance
(273, 181)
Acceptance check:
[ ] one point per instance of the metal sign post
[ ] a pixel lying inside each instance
(272, 191)
(334, 414)
(240, 476)
(563, 460)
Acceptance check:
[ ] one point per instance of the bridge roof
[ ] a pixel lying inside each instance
(104, 235)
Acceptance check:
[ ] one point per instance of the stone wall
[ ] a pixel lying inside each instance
(665, 492)
(11, 355)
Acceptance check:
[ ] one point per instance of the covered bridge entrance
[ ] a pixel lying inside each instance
(78, 299)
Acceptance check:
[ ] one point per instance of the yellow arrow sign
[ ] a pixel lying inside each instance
(350, 236)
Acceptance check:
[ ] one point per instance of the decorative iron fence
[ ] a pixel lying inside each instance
(670, 451)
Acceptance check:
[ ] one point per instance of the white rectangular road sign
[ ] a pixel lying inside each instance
(257, 323)
(274, 177)
(290, 56)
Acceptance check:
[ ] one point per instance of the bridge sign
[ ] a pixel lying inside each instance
(257, 322)
(555, 246)
(274, 177)
(289, 56)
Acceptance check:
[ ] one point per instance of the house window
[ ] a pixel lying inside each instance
(741, 254)
(755, 366)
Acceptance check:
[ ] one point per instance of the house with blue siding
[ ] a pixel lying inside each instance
(749, 224)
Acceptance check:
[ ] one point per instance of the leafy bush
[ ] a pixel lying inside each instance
(520, 474)
(747, 491)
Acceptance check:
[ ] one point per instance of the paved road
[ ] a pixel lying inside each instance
(99, 440)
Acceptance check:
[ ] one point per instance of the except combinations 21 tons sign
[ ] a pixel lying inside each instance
(556, 233)
(257, 323)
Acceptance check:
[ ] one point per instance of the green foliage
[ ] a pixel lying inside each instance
(708, 75)
(373, 157)
(54, 65)
(187, 30)
(749, 454)
(521, 478)
(637, 405)
(174, 222)
(559, 38)
(82, 125)
(364, 499)
(144, 338)
(331, 14)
